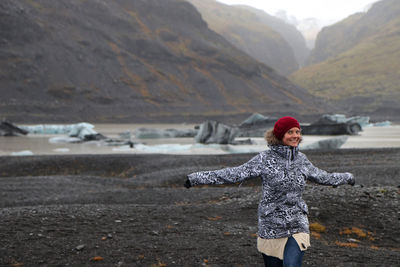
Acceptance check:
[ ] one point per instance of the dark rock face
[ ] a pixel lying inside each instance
(128, 61)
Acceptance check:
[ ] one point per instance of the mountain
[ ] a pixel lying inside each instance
(342, 36)
(265, 38)
(308, 27)
(129, 61)
(356, 62)
(289, 32)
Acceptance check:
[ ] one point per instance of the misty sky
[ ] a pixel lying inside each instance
(328, 11)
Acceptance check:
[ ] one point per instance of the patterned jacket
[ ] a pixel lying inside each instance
(284, 171)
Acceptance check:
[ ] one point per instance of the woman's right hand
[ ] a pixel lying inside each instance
(352, 179)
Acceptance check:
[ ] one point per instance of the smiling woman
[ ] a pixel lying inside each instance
(283, 228)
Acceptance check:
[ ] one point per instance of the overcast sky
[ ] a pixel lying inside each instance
(328, 11)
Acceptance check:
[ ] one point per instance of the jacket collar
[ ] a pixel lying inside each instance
(286, 152)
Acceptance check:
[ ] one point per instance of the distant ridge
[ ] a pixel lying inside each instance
(130, 61)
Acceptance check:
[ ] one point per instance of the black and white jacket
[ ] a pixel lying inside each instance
(284, 171)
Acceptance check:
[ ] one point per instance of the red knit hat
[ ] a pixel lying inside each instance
(283, 125)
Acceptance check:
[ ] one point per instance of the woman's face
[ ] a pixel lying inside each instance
(292, 137)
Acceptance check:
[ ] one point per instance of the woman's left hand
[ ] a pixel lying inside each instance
(187, 184)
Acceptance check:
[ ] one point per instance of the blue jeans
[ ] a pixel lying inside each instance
(292, 256)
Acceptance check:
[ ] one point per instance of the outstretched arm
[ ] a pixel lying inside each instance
(319, 176)
(250, 169)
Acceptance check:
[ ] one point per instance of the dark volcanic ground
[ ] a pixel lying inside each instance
(132, 210)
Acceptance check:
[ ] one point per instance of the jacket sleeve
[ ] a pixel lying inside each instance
(319, 176)
(250, 169)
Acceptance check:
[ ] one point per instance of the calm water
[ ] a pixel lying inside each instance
(371, 137)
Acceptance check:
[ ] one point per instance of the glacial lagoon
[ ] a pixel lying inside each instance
(45, 144)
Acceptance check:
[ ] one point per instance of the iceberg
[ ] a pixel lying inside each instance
(57, 128)
(61, 150)
(336, 124)
(382, 124)
(208, 149)
(150, 133)
(82, 131)
(258, 119)
(340, 118)
(330, 143)
(213, 132)
(64, 140)
(22, 153)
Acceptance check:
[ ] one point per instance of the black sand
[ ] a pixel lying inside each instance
(132, 210)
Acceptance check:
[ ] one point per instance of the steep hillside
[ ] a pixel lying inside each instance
(249, 31)
(342, 36)
(361, 73)
(338, 38)
(129, 61)
(293, 37)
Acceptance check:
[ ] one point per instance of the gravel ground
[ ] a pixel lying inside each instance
(132, 210)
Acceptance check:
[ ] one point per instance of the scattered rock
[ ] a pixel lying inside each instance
(80, 247)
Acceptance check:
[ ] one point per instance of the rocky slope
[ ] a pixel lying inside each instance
(355, 62)
(129, 61)
(264, 37)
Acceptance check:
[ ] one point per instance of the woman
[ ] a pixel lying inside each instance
(283, 228)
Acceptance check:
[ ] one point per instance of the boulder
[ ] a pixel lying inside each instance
(213, 132)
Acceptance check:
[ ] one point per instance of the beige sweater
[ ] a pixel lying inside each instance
(276, 247)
